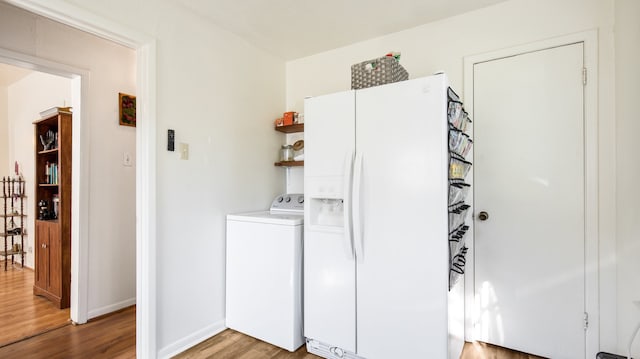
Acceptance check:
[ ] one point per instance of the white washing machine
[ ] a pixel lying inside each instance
(264, 272)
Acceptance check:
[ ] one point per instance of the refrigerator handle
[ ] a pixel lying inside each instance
(347, 200)
(358, 220)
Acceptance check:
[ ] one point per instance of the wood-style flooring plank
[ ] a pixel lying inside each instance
(23, 314)
(478, 350)
(111, 336)
(234, 345)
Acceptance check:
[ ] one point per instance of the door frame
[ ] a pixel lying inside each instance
(591, 168)
(145, 47)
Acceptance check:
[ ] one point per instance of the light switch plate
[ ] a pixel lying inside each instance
(184, 151)
(126, 159)
(637, 303)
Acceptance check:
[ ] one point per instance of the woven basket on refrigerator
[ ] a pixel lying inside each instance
(376, 72)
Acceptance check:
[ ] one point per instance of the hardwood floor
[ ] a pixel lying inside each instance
(233, 345)
(487, 351)
(21, 313)
(114, 335)
(110, 336)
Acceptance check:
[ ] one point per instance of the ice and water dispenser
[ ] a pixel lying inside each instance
(325, 204)
(327, 212)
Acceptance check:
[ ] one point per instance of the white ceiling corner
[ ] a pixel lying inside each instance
(292, 29)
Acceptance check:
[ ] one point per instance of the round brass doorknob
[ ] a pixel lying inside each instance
(483, 216)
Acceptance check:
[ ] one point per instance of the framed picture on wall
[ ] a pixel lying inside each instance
(127, 107)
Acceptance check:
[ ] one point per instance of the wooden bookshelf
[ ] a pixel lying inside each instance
(53, 223)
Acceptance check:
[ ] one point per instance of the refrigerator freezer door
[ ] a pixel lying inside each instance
(401, 132)
(329, 266)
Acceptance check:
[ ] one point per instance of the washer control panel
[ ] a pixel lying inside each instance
(289, 202)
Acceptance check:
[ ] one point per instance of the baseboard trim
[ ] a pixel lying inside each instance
(111, 308)
(189, 341)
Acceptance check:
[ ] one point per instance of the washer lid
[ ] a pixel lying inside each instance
(291, 219)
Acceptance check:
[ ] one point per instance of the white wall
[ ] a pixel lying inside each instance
(627, 47)
(27, 97)
(111, 69)
(294, 175)
(221, 96)
(443, 45)
(5, 170)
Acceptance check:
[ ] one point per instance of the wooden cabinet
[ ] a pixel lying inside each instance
(48, 273)
(53, 207)
(41, 272)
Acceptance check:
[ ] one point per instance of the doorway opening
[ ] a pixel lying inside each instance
(103, 161)
(23, 94)
(144, 47)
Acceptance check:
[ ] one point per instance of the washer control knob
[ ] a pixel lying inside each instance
(280, 199)
(301, 199)
(288, 199)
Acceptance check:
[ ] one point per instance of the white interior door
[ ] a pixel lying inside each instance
(529, 178)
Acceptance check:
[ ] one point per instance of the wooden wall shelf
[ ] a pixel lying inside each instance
(291, 128)
(289, 163)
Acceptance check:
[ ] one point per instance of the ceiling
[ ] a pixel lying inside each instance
(10, 74)
(292, 29)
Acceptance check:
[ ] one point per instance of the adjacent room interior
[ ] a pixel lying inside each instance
(96, 158)
(25, 94)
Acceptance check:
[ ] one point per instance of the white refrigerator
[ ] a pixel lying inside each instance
(376, 254)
